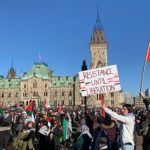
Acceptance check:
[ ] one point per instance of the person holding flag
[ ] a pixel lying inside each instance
(147, 58)
(144, 131)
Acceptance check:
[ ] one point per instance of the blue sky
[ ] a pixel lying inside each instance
(60, 30)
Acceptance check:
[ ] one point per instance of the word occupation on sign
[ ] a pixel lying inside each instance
(100, 80)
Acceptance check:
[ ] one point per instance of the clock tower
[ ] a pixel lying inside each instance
(98, 46)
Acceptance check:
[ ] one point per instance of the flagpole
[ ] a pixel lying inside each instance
(147, 58)
(143, 71)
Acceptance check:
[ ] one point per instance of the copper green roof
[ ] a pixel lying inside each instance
(9, 83)
(40, 70)
(62, 81)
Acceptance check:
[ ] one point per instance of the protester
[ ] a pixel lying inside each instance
(127, 124)
(112, 132)
(84, 140)
(5, 136)
(59, 130)
(44, 130)
(24, 140)
(145, 126)
(67, 128)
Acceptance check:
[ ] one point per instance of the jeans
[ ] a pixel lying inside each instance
(128, 147)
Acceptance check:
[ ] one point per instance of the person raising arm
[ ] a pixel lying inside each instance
(127, 124)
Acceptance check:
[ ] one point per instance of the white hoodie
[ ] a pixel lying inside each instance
(127, 125)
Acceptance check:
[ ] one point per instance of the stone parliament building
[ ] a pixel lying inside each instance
(40, 83)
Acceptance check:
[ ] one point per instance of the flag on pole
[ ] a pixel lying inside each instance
(148, 53)
(29, 108)
(33, 119)
(44, 103)
(40, 103)
(1, 111)
(147, 58)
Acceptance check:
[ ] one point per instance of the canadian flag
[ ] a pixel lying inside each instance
(148, 53)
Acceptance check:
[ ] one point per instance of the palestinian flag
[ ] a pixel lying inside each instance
(40, 104)
(1, 111)
(29, 108)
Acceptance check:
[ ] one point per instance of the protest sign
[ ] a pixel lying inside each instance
(100, 80)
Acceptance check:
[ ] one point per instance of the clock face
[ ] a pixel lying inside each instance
(99, 64)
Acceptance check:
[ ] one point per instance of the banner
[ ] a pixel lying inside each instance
(99, 80)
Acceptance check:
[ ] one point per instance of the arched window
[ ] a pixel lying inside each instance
(55, 94)
(34, 93)
(63, 93)
(70, 93)
(45, 85)
(55, 103)
(9, 94)
(70, 102)
(45, 93)
(112, 102)
(82, 102)
(16, 95)
(34, 85)
(62, 103)
(2, 95)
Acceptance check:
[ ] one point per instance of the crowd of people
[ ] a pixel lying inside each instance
(125, 128)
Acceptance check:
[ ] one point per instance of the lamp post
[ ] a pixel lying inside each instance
(84, 68)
